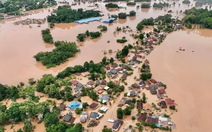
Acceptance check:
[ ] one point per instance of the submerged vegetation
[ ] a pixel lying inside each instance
(202, 17)
(145, 5)
(111, 5)
(17, 6)
(64, 14)
(60, 54)
(81, 37)
(160, 5)
(47, 37)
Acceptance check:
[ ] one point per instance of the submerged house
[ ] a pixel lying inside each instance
(95, 116)
(104, 99)
(116, 125)
(78, 87)
(162, 104)
(110, 20)
(132, 94)
(83, 117)
(139, 105)
(93, 106)
(142, 117)
(67, 118)
(169, 102)
(62, 106)
(74, 105)
(153, 91)
(153, 119)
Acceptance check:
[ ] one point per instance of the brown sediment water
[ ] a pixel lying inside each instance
(18, 44)
(187, 75)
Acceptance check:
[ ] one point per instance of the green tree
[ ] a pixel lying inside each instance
(84, 105)
(107, 130)
(132, 13)
(120, 113)
(50, 119)
(111, 60)
(144, 98)
(93, 95)
(78, 110)
(47, 79)
(104, 60)
(127, 111)
(31, 81)
(69, 96)
(28, 127)
(122, 15)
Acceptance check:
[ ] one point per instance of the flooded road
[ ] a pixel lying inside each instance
(188, 77)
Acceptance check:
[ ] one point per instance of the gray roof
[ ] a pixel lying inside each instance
(97, 82)
(94, 115)
(133, 93)
(153, 86)
(113, 71)
(105, 97)
(67, 117)
(128, 102)
(159, 84)
(78, 87)
(77, 95)
(117, 124)
(153, 91)
(159, 96)
(131, 63)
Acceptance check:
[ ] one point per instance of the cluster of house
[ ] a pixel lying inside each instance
(93, 117)
(84, 117)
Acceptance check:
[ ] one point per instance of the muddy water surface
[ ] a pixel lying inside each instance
(18, 44)
(188, 77)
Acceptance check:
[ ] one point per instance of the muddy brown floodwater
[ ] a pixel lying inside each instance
(186, 73)
(188, 77)
(18, 44)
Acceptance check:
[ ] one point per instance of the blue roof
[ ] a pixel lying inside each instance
(141, 82)
(158, 125)
(74, 105)
(108, 20)
(88, 20)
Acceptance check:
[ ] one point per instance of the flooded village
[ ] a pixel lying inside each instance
(146, 84)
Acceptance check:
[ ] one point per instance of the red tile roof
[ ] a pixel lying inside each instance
(170, 102)
(74, 82)
(153, 81)
(161, 91)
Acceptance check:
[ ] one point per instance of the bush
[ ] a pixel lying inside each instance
(120, 113)
(172, 107)
(111, 5)
(59, 55)
(102, 28)
(142, 1)
(123, 40)
(133, 118)
(145, 76)
(78, 110)
(145, 5)
(186, 2)
(64, 14)
(131, 3)
(132, 13)
(122, 15)
(47, 37)
(160, 5)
